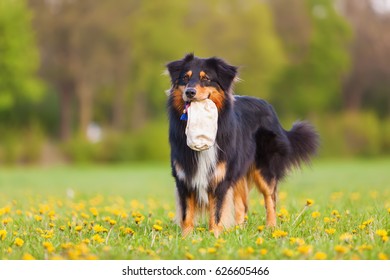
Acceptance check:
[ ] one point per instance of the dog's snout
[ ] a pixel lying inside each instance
(190, 92)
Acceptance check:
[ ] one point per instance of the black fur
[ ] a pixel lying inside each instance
(249, 133)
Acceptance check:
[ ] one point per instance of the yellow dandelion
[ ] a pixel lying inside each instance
(112, 222)
(86, 241)
(388, 210)
(382, 256)
(171, 215)
(330, 231)
(78, 228)
(260, 228)
(27, 257)
(326, 220)
(341, 249)
(189, 256)
(279, 233)
(346, 237)
(304, 249)
(62, 228)
(211, 250)
(201, 229)
(315, 214)
(128, 231)
(157, 228)
(259, 241)
(99, 228)
(288, 253)
(385, 238)
(368, 222)
(97, 238)
(381, 232)
(48, 246)
(3, 234)
(320, 256)
(263, 252)
(335, 213)
(365, 247)
(309, 202)
(19, 242)
(94, 211)
(297, 241)
(38, 218)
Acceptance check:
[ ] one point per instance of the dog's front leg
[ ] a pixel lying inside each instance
(221, 208)
(186, 208)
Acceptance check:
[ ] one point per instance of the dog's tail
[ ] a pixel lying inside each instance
(304, 141)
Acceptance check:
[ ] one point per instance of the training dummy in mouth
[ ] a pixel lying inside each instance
(202, 124)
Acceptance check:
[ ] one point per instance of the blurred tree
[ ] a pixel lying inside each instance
(368, 84)
(316, 39)
(19, 60)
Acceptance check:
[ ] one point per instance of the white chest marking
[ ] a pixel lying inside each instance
(207, 161)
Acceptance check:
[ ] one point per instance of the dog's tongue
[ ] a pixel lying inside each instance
(202, 124)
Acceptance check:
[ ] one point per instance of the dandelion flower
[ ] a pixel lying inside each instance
(189, 256)
(305, 249)
(211, 250)
(48, 246)
(260, 228)
(38, 218)
(27, 257)
(341, 249)
(78, 228)
(320, 256)
(157, 228)
(279, 233)
(288, 253)
(315, 214)
(383, 256)
(381, 232)
(309, 202)
(3, 234)
(19, 242)
(330, 231)
(128, 231)
(99, 228)
(263, 252)
(97, 238)
(388, 210)
(259, 241)
(171, 215)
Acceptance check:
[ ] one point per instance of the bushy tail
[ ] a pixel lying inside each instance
(304, 141)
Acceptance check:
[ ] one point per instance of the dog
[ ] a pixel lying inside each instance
(251, 147)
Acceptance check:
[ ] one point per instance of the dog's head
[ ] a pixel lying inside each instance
(195, 79)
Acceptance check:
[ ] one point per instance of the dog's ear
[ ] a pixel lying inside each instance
(176, 67)
(226, 73)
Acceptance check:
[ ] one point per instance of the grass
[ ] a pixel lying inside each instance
(332, 210)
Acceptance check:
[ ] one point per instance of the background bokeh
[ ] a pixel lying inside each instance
(83, 81)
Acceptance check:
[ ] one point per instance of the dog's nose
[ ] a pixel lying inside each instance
(190, 92)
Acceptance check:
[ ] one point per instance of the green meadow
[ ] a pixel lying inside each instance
(334, 209)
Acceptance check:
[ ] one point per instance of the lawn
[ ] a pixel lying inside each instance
(331, 210)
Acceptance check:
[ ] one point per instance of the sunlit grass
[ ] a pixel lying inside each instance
(333, 210)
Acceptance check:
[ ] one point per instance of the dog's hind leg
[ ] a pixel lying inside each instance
(269, 189)
(240, 194)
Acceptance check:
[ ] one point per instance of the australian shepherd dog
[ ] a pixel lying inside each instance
(251, 147)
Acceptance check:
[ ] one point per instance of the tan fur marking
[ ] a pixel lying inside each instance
(218, 97)
(227, 215)
(177, 95)
(268, 191)
(187, 225)
(219, 174)
(241, 200)
(189, 73)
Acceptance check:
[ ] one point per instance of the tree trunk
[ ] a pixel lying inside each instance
(66, 96)
(84, 93)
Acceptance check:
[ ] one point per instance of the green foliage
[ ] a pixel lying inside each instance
(147, 144)
(313, 84)
(18, 56)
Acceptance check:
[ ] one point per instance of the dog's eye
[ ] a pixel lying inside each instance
(205, 78)
(186, 78)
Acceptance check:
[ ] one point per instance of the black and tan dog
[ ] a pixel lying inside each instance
(251, 147)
